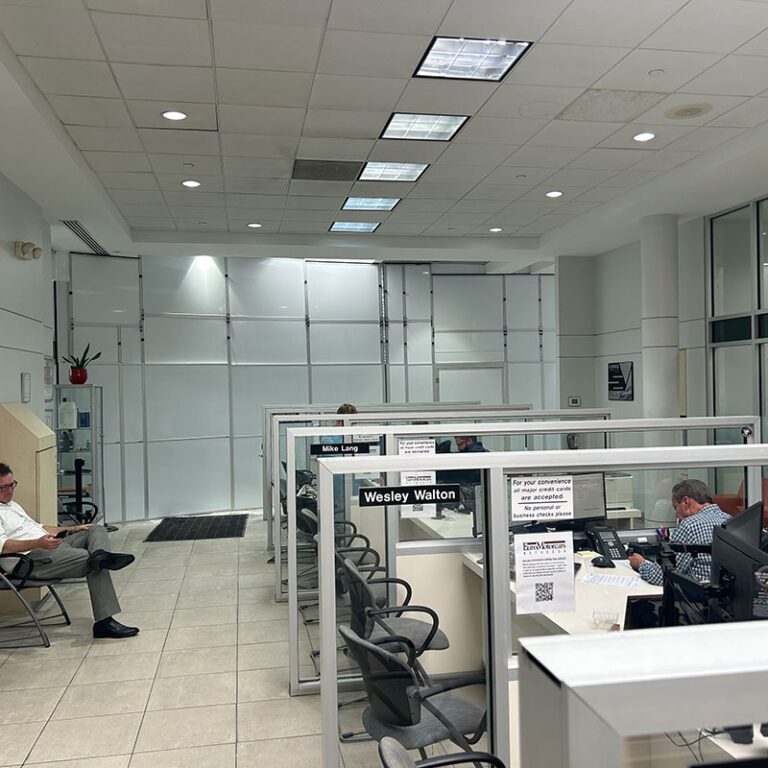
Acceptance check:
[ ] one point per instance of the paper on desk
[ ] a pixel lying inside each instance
(612, 580)
(544, 572)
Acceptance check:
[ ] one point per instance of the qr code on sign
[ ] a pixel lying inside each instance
(545, 592)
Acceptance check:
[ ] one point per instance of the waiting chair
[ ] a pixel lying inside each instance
(20, 579)
(402, 707)
(394, 755)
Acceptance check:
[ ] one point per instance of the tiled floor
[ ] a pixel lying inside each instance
(204, 684)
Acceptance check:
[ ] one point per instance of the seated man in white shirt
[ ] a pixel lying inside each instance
(82, 551)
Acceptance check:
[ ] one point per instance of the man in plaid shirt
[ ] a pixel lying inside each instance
(697, 516)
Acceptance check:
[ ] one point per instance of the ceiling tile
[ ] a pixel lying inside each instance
(632, 178)
(105, 139)
(757, 46)
(305, 202)
(401, 16)
(498, 130)
(664, 160)
(564, 65)
(267, 202)
(543, 157)
(268, 227)
(334, 149)
(538, 194)
(208, 165)
(462, 219)
(49, 32)
(106, 162)
(305, 228)
(414, 217)
(261, 46)
(701, 25)
(336, 123)
(580, 177)
(447, 230)
(267, 121)
(734, 76)
(529, 101)
(391, 150)
(82, 110)
(291, 216)
(577, 208)
(129, 180)
(523, 212)
(665, 134)
(382, 189)
(194, 198)
(306, 13)
(266, 167)
(149, 114)
(197, 212)
(252, 186)
(705, 138)
(441, 172)
(518, 175)
(262, 88)
(671, 70)
(186, 9)
(425, 205)
(139, 81)
(150, 224)
(154, 40)
(173, 142)
(611, 159)
(746, 115)
(137, 197)
(606, 22)
(202, 225)
(544, 224)
(246, 145)
(601, 194)
(573, 133)
(72, 78)
(76, 5)
(172, 183)
(610, 106)
(658, 113)
(254, 214)
(528, 22)
(399, 230)
(469, 205)
(480, 154)
(319, 188)
(348, 92)
(370, 54)
(441, 191)
(503, 192)
(444, 97)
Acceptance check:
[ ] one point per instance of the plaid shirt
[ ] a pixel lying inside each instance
(696, 529)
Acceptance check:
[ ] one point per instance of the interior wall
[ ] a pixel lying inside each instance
(26, 299)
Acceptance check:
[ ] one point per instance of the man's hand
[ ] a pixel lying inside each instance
(45, 542)
(636, 561)
(76, 528)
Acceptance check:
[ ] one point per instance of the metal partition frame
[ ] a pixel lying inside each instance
(391, 434)
(496, 582)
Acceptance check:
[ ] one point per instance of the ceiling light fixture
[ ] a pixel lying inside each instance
(496, 229)
(190, 183)
(417, 127)
(644, 136)
(254, 225)
(392, 171)
(354, 226)
(470, 59)
(554, 193)
(174, 114)
(370, 203)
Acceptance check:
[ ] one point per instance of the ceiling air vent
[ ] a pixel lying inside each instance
(81, 232)
(326, 170)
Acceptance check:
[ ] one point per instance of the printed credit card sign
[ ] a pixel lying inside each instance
(542, 498)
(419, 446)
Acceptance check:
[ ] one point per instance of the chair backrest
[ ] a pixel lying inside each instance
(306, 524)
(386, 679)
(361, 598)
(394, 755)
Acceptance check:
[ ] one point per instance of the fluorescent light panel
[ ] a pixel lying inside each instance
(370, 203)
(354, 226)
(471, 59)
(407, 125)
(392, 171)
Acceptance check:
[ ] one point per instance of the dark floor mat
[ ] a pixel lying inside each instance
(199, 527)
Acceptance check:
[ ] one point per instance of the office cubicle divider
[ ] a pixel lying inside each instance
(496, 582)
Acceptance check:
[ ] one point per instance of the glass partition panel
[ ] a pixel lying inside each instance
(762, 245)
(732, 266)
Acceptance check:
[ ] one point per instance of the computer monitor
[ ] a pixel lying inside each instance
(643, 612)
(747, 526)
(589, 497)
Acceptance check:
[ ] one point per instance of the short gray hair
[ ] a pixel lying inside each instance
(694, 489)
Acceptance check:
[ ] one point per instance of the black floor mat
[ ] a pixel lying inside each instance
(200, 527)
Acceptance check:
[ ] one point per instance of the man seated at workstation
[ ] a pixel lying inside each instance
(63, 552)
(697, 516)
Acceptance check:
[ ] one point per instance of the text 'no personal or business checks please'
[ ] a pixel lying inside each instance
(409, 494)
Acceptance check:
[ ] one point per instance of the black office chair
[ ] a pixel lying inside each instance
(20, 579)
(402, 707)
(394, 755)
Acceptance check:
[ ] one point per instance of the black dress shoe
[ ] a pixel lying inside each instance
(112, 561)
(110, 628)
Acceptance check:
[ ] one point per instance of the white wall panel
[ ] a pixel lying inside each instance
(185, 340)
(396, 350)
(275, 342)
(130, 345)
(105, 290)
(255, 386)
(358, 384)
(106, 377)
(343, 291)
(266, 288)
(523, 346)
(419, 337)
(522, 301)
(176, 470)
(22, 333)
(102, 340)
(133, 396)
(113, 494)
(548, 315)
(248, 473)
(468, 303)
(551, 385)
(394, 284)
(420, 384)
(344, 343)
(549, 346)
(463, 347)
(191, 285)
(418, 304)
(186, 401)
(524, 383)
(134, 482)
(397, 384)
(485, 385)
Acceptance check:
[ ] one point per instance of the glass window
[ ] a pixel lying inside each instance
(732, 270)
(762, 246)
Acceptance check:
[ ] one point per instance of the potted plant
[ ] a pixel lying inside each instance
(77, 372)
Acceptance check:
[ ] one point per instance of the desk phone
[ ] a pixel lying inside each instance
(606, 541)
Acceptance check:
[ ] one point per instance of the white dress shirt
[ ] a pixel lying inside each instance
(16, 524)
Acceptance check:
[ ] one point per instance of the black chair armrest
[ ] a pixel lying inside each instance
(24, 573)
(351, 540)
(400, 609)
(394, 580)
(461, 757)
(410, 648)
(461, 681)
(348, 553)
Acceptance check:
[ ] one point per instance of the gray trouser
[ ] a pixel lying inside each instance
(70, 561)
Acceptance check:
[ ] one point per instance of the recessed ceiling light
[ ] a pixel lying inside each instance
(392, 171)
(415, 127)
(190, 183)
(644, 136)
(656, 73)
(354, 226)
(174, 114)
(496, 229)
(554, 193)
(254, 225)
(470, 59)
(188, 165)
(521, 176)
(370, 203)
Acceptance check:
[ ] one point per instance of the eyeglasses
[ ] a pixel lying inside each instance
(9, 487)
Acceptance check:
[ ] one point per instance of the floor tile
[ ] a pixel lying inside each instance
(203, 617)
(201, 637)
(218, 756)
(263, 612)
(106, 669)
(97, 699)
(16, 741)
(148, 619)
(35, 705)
(263, 656)
(252, 595)
(193, 691)
(146, 641)
(182, 728)
(278, 719)
(274, 630)
(298, 752)
(257, 580)
(26, 674)
(198, 661)
(166, 587)
(115, 761)
(207, 599)
(262, 684)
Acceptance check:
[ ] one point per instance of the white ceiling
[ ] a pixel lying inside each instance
(267, 81)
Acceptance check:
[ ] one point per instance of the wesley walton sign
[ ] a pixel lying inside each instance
(335, 449)
(404, 494)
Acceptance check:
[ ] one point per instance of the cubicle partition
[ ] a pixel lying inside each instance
(469, 576)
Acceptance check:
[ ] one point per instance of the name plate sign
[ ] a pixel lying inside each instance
(404, 494)
(338, 449)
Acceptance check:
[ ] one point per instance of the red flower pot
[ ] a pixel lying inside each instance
(78, 375)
